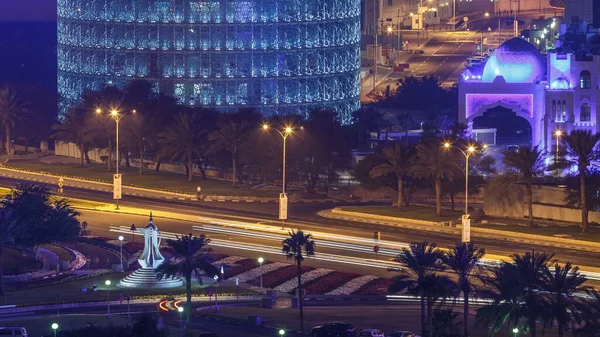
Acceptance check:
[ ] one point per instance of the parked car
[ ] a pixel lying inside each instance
(334, 329)
(13, 331)
(402, 334)
(371, 333)
(512, 148)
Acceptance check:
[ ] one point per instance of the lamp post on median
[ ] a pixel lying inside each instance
(180, 310)
(470, 150)
(114, 113)
(107, 283)
(121, 238)
(260, 262)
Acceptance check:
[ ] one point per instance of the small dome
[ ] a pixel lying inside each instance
(560, 83)
(517, 60)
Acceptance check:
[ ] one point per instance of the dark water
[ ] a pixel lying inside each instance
(28, 53)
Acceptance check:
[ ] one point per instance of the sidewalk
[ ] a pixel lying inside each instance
(444, 227)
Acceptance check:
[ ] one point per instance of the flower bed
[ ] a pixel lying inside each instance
(228, 260)
(292, 284)
(277, 277)
(352, 285)
(328, 282)
(256, 272)
(240, 267)
(216, 256)
(376, 287)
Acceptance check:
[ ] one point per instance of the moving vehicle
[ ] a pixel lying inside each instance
(13, 331)
(371, 333)
(334, 329)
(402, 334)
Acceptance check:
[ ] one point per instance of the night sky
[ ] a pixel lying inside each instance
(27, 10)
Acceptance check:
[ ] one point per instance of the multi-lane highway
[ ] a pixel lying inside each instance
(301, 216)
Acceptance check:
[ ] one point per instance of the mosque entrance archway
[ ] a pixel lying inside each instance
(511, 130)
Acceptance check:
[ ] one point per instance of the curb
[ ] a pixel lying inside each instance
(491, 233)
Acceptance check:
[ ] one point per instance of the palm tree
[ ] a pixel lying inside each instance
(12, 110)
(232, 133)
(561, 283)
(75, 128)
(8, 226)
(420, 262)
(582, 151)
(518, 296)
(190, 258)
(463, 259)
(527, 163)
(296, 247)
(396, 159)
(432, 162)
(183, 140)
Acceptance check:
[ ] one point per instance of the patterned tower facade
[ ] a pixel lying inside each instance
(278, 56)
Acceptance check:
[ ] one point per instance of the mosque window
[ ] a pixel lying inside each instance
(585, 113)
(559, 110)
(585, 80)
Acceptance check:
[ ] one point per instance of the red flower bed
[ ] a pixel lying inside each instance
(328, 282)
(240, 267)
(277, 277)
(376, 287)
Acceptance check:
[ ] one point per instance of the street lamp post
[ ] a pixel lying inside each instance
(107, 283)
(470, 150)
(260, 262)
(558, 133)
(117, 117)
(285, 134)
(121, 238)
(54, 327)
(180, 310)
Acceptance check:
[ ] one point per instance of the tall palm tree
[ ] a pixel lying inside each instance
(420, 262)
(582, 152)
(190, 258)
(463, 259)
(296, 247)
(518, 296)
(560, 284)
(396, 160)
(183, 139)
(75, 128)
(12, 110)
(527, 163)
(8, 228)
(232, 133)
(432, 162)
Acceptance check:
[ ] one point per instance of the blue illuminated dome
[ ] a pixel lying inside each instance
(285, 56)
(517, 60)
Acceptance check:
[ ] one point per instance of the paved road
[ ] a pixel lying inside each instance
(302, 216)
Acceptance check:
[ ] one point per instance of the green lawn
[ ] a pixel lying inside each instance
(71, 291)
(410, 212)
(150, 179)
(63, 254)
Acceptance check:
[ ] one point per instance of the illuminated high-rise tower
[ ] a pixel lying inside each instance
(284, 56)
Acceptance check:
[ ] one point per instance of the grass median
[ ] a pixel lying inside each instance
(410, 212)
(150, 178)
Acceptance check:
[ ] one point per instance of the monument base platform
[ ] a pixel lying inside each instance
(146, 278)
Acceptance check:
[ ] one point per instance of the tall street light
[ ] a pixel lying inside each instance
(180, 310)
(260, 262)
(107, 283)
(121, 238)
(557, 133)
(117, 117)
(470, 150)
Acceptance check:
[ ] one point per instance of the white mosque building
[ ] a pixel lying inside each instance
(560, 91)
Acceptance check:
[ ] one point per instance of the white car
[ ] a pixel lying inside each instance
(402, 334)
(371, 333)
